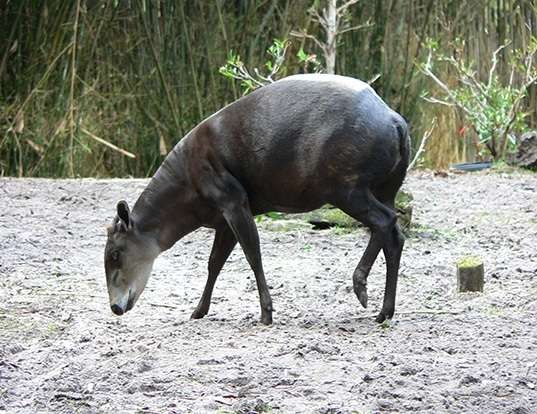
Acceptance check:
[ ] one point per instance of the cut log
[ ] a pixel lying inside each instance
(470, 275)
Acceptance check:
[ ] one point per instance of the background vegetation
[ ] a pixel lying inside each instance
(107, 87)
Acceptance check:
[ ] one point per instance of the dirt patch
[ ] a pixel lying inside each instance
(62, 350)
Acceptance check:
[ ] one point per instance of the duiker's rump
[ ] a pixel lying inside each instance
(291, 146)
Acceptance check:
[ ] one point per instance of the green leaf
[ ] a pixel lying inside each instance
(302, 56)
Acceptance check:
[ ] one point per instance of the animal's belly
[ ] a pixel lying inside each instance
(287, 202)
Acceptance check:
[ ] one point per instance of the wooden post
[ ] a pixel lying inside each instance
(470, 274)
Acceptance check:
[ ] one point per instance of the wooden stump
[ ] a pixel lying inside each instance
(470, 275)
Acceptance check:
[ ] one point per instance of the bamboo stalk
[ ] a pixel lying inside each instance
(108, 144)
(72, 90)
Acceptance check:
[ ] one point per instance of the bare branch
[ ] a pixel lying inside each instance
(358, 27)
(421, 148)
(278, 62)
(305, 35)
(442, 85)
(472, 83)
(341, 9)
(437, 101)
(244, 75)
(495, 62)
(318, 18)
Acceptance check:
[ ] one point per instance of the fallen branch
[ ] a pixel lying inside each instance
(431, 312)
(161, 305)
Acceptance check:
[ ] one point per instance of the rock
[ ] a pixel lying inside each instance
(526, 156)
(329, 216)
(210, 361)
(520, 410)
(403, 207)
(408, 371)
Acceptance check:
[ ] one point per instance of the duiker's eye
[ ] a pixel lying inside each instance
(115, 255)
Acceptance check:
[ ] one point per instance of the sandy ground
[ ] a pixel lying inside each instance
(62, 350)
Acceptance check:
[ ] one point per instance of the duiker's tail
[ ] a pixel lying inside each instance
(404, 144)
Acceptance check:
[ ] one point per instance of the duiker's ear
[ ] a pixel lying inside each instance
(124, 213)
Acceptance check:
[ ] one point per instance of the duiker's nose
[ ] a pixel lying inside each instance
(118, 310)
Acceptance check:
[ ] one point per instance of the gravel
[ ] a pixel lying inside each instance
(62, 350)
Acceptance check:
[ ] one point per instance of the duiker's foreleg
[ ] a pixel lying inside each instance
(224, 242)
(361, 204)
(231, 200)
(241, 221)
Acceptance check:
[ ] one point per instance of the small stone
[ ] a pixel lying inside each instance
(367, 378)
(144, 367)
(15, 349)
(211, 361)
(469, 379)
(406, 371)
(384, 404)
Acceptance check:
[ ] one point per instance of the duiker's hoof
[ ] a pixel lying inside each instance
(359, 281)
(198, 314)
(266, 319)
(361, 293)
(383, 315)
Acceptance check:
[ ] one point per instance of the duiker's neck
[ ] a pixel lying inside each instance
(164, 209)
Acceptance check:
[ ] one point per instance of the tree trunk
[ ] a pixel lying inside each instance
(331, 34)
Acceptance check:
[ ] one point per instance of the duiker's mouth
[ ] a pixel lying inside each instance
(130, 303)
(120, 308)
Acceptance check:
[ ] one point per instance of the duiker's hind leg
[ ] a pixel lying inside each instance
(392, 252)
(361, 204)
(359, 277)
(224, 242)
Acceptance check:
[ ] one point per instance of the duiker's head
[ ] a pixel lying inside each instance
(128, 259)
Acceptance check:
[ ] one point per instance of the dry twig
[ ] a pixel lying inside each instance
(421, 148)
